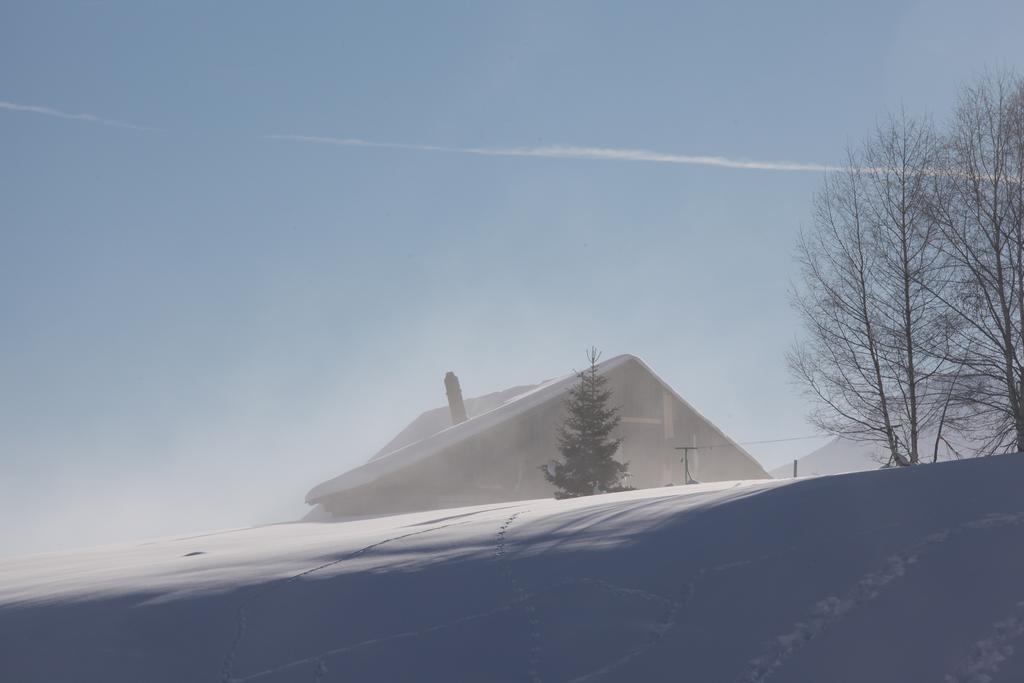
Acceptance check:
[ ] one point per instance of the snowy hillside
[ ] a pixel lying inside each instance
(842, 455)
(835, 457)
(898, 575)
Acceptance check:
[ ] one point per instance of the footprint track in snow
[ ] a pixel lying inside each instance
(833, 608)
(501, 554)
(991, 650)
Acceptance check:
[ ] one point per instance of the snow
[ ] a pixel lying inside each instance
(436, 419)
(843, 455)
(835, 457)
(893, 575)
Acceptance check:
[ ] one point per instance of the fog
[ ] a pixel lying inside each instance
(204, 315)
(252, 459)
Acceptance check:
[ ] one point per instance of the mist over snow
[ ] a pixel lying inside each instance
(247, 453)
(200, 322)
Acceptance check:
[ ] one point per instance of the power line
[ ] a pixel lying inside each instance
(792, 438)
(754, 443)
(688, 478)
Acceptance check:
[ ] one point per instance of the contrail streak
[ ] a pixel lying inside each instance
(49, 111)
(574, 152)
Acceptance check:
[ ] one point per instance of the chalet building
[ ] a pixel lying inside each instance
(491, 449)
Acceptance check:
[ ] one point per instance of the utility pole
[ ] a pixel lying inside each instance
(687, 479)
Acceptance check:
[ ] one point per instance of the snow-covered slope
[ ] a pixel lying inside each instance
(842, 455)
(897, 575)
(835, 457)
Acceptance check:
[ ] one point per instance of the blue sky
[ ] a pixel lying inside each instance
(204, 311)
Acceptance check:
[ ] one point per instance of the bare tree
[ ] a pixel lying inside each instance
(912, 278)
(978, 201)
(839, 363)
(875, 358)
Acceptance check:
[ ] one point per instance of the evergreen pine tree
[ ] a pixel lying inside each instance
(585, 438)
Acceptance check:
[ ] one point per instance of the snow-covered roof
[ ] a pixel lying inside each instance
(551, 390)
(433, 421)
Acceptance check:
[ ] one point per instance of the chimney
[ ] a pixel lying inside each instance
(455, 404)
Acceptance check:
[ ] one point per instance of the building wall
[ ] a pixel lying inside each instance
(504, 463)
(656, 423)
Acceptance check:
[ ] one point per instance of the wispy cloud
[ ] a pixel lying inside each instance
(49, 111)
(574, 152)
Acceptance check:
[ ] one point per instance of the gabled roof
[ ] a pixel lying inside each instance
(433, 421)
(552, 390)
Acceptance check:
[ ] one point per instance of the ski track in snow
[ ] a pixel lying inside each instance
(320, 658)
(501, 554)
(686, 594)
(988, 654)
(522, 600)
(832, 609)
(525, 600)
(242, 616)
